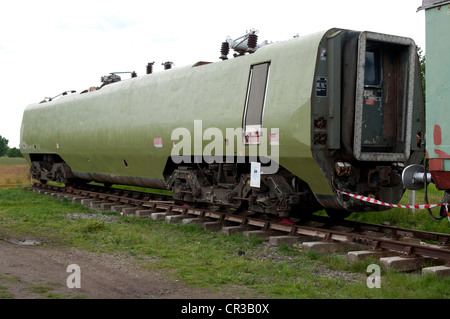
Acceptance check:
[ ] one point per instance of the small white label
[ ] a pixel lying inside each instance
(255, 175)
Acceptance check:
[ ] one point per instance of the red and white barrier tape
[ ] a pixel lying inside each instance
(378, 202)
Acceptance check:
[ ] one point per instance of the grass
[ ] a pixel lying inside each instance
(12, 161)
(408, 218)
(204, 259)
(14, 172)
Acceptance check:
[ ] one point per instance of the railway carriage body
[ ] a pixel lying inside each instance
(438, 91)
(437, 13)
(335, 110)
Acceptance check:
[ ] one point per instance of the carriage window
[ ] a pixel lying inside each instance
(372, 74)
(254, 105)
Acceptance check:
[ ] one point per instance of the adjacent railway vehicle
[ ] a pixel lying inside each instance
(437, 17)
(335, 110)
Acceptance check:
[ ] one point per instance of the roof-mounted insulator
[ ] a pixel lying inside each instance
(167, 65)
(150, 67)
(252, 42)
(247, 43)
(224, 51)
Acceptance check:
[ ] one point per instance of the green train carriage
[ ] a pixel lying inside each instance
(346, 108)
(436, 166)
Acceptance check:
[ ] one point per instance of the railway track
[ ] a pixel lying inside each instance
(398, 248)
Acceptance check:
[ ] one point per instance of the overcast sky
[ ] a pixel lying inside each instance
(47, 47)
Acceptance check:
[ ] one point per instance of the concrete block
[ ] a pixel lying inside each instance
(402, 263)
(86, 201)
(320, 246)
(158, 216)
(129, 210)
(230, 230)
(330, 247)
(95, 204)
(174, 218)
(441, 271)
(77, 199)
(107, 206)
(194, 220)
(264, 234)
(366, 254)
(118, 208)
(68, 197)
(288, 240)
(58, 195)
(212, 226)
(144, 213)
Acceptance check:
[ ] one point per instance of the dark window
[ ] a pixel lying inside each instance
(372, 73)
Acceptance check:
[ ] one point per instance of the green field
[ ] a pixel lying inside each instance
(12, 161)
(204, 259)
(14, 172)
